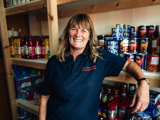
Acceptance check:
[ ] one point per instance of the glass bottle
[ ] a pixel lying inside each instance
(42, 47)
(26, 51)
(12, 49)
(37, 47)
(22, 46)
(31, 47)
(46, 45)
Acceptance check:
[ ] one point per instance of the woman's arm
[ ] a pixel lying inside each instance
(43, 107)
(141, 97)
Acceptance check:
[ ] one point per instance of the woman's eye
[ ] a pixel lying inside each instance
(84, 30)
(73, 29)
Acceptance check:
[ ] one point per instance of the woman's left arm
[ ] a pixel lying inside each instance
(141, 96)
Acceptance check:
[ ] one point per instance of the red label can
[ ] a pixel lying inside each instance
(155, 46)
(153, 31)
(144, 45)
(133, 43)
(129, 56)
(153, 63)
(142, 31)
(141, 60)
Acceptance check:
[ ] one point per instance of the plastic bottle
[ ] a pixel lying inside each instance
(37, 47)
(46, 44)
(31, 47)
(19, 47)
(22, 46)
(42, 47)
(12, 49)
(26, 51)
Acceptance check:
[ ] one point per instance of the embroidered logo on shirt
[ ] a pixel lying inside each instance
(89, 68)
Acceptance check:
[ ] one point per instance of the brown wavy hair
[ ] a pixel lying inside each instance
(92, 45)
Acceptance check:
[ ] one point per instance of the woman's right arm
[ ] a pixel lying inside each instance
(43, 107)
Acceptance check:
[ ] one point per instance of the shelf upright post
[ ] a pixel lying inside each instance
(7, 61)
(52, 25)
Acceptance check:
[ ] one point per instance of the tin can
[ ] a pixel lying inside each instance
(129, 56)
(155, 46)
(113, 47)
(133, 45)
(124, 44)
(126, 31)
(100, 40)
(117, 32)
(120, 25)
(133, 32)
(144, 45)
(142, 60)
(153, 31)
(153, 63)
(142, 31)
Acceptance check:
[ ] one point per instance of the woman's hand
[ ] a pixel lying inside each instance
(141, 97)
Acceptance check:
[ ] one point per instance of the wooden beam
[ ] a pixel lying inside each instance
(60, 2)
(109, 6)
(7, 60)
(53, 25)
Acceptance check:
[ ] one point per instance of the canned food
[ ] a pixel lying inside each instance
(129, 56)
(142, 31)
(117, 32)
(153, 63)
(120, 25)
(124, 45)
(153, 31)
(142, 60)
(144, 45)
(155, 46)
(112, 47)
(133, 32)
(133, 43)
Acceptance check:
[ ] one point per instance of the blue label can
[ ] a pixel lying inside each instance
(142, 60)
(113, 47)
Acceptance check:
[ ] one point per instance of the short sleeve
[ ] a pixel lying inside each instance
(45, 87)
(113, 64)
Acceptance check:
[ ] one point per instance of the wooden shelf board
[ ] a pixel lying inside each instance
(28, 106)
(33, 5)
(154, 78)
(35, 63)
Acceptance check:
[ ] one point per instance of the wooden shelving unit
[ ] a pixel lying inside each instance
(64, 8)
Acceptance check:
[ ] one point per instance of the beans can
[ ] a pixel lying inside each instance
(142, 60)
(133, 45)
(153, 31)
(144, 45)
(124, 44)
(142, 31)
(117, 32)
(133, 32)
(113, 47)
(129, 56)
(155, 46)
(153, 63)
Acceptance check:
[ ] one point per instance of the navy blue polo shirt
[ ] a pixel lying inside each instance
(74, 87)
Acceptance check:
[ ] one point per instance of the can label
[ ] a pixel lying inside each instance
(153, 31)
(129, 57)
(153, 63)
(117, 32)
(124, 45)
(112, 47)
(143, 31)
(141, 60)
(155, 46)
(133, 43)
(133, 32)
(144, 45)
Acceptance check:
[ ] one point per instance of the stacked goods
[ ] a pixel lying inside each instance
(115, 104)
(30, 47)
(27, 81)
(140, 44)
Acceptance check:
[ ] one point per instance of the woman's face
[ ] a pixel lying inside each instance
(78, 37)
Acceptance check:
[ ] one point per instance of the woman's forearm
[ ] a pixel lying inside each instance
(43, 107)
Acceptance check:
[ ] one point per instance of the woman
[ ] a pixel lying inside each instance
(73, 77)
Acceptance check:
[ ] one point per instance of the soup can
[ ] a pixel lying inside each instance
(155, 46)
(142, 31)
(142, 60)
(133, 45)
(133, 32)
(153, 31)
(144, 45)
(124, 44)
(113, 46)
(153, 63)
(117, 32)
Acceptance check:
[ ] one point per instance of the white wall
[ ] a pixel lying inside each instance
(103, 22)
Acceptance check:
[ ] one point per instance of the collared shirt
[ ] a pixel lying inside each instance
(74, 87)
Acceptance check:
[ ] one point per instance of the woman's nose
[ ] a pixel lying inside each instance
(78, 33)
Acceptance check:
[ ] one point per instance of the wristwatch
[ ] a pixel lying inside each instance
(143, 79)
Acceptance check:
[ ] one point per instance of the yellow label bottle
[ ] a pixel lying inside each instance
(12, 50)
(46, 46)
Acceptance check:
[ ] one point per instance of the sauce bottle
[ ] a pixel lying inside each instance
(31, 47)
(46, 45)
(22, 46)
(15, 46)
(12, 49)
(26, 51)
(37, 47)
(42, 47)
(18, 47)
